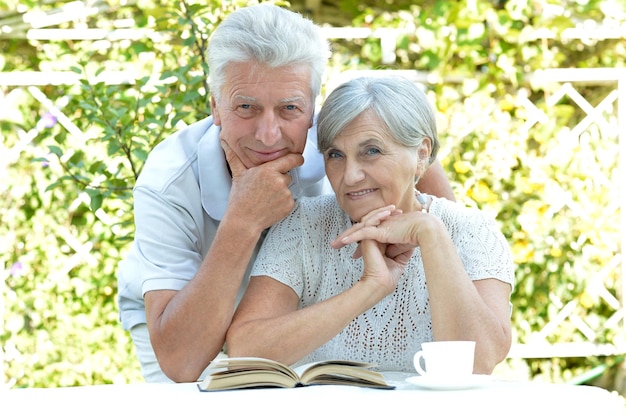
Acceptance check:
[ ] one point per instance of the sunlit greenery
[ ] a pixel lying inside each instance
(66, 207)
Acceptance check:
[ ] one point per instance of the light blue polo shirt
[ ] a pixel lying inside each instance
(180, 198)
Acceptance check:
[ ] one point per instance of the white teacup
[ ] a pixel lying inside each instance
(445, 359)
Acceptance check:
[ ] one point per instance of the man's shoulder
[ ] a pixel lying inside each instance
(174, 156)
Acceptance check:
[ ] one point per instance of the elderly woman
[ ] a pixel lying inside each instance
(375, 270)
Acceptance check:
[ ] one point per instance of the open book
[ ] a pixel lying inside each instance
(232, 373)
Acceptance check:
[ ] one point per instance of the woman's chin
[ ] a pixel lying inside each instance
(356, 216)
(356, 212)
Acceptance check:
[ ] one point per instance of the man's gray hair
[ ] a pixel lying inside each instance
(268, 35)
(400, 104)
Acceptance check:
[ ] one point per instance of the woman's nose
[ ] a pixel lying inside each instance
(353, 173)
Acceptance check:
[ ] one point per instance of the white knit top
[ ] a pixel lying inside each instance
(297, 252)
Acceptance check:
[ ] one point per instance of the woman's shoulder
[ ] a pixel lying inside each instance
(444, 208)
(463, 220)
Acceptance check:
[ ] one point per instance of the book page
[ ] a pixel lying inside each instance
(300, 370)
(227, 380)
(340, 372)
(250, 363)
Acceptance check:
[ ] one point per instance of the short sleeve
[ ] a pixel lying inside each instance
(166, 253)
(482, 247)
(280, 256)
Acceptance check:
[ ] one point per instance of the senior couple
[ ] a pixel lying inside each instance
(239, 246)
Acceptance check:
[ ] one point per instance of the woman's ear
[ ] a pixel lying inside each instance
(423, 156)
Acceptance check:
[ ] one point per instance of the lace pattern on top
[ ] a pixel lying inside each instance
(297, 253)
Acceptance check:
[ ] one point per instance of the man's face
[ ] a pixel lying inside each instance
(264, 113)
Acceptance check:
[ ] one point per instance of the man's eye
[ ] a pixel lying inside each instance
(290, 107)
(245, 106)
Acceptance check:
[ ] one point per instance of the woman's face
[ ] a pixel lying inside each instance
(368, 169)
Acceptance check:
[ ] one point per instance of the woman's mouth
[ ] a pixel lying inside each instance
(361, 193)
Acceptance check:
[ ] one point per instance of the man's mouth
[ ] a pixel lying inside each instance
(266, 156)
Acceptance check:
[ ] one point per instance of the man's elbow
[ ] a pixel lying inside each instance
(183, 366)
(180, 372)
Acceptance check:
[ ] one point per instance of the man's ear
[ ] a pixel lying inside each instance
(215, 112)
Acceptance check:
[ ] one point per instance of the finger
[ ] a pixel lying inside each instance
(343, 239)
(403, 257)
(357, 252)
(394, 251)
(354, 235)
(369, 248)
(237, 168)
(371, 219)
(374, 217)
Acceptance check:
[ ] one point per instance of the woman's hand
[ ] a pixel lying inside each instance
(380, 268)
(385, 225)
(383, 262)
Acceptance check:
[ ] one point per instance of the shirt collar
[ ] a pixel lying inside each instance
(215, 180)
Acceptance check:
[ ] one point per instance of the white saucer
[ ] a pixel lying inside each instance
(447, 383)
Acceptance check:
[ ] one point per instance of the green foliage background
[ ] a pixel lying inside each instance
(66, 203)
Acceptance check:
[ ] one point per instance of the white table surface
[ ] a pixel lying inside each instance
(499, 398)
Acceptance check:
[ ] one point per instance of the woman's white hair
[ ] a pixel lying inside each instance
(400, 105)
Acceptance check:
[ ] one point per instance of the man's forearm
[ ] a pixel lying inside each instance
(436, 182)
(188, 327)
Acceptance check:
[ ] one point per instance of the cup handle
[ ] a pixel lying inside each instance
(417, 363)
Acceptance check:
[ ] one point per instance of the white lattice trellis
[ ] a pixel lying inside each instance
(603, 115)
(610, 117)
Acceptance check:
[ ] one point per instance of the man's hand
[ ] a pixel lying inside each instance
(260, 195)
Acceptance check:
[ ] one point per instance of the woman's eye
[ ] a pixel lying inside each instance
(333, 154)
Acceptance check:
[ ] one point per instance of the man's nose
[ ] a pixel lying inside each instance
(268, 129)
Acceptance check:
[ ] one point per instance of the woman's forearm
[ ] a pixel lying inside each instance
(291, 336)
(462, 309)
